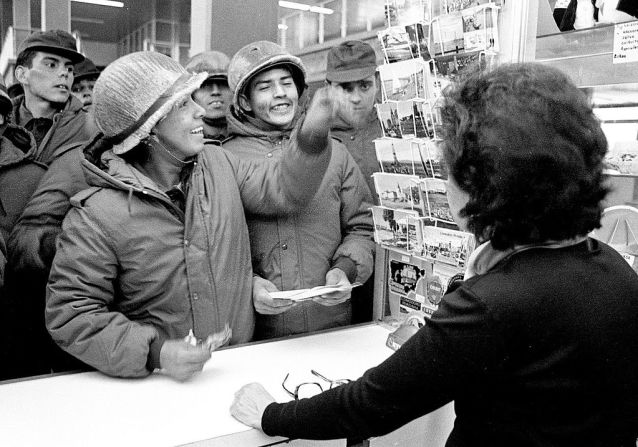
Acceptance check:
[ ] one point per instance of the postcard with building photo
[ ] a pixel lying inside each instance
(431, 159)
(403, 80)
(391, 226)
(405, 112)
(389, 119)
(397, 191)
(395, 44)
(455, 67)
(479, 28)
(396, 156)
(447, 34)
(448, 246)
(425, 119)
(419, 38)
(434, 195)
(405, 12)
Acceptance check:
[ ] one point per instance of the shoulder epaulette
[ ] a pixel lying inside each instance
(81, 197)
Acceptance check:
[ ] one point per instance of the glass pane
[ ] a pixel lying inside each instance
(332, 22)
(310, 28)
(163, 31)
(376, 14)
(292, 35)
(357, 16)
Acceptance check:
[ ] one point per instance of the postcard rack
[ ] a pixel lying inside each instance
(427, 44)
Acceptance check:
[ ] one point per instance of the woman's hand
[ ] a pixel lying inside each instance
(250, 403)
(264, 304)
(181, 360)
(335, 277)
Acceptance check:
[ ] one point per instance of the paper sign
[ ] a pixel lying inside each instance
(561, 4)
(625, 43)
(304, 294)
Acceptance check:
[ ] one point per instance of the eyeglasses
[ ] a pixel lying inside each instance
(309, 389)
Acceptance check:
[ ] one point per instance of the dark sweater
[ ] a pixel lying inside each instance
(540, 351)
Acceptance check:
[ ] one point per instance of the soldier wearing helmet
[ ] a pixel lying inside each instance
(214, 95)
(329, 242)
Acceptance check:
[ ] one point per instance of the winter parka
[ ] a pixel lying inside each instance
(335, 229)
(19, 175)
(69, 126)
(132, 269)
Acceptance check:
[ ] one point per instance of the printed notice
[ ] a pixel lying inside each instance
(625, 43)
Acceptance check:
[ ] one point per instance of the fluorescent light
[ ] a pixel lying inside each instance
(304, 7)
(85, 20)
(102, 3)
(282, 26)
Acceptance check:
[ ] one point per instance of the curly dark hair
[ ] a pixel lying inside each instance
(523, 142)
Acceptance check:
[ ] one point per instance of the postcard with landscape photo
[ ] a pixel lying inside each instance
(395, 44)
(425, 119)
(403, 80)
(479, 28)
(397, 191)
(395, 156)
(389, 119)
(434, 195)
(448, 246)
(447, 34)
(391, 226)
(431, 159)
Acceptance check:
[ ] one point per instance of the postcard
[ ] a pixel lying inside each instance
(447, 34)
(395, 156)
(434, 195)
(389, 119)
(397, 191)
(451, 6)
(432, 159)
(403, 80)
(437, 284)
(306, 294)
(405, 112)
(447, 246)
(391, 226)
(479, 28)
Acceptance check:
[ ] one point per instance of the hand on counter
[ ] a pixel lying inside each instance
(250, 403)
(181, 360)
(335, 277)
(264, 303)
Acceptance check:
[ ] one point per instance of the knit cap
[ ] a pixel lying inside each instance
(135, 92)
(215, 63)
(257, 57)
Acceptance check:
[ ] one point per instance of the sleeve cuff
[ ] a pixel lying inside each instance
(348, 266)
(265, 425)
(153, 361)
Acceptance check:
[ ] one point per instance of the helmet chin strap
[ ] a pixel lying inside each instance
(163, 146)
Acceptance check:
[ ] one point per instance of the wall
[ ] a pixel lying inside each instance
(101, 53)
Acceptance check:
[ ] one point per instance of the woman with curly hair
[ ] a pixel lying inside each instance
(538, 345)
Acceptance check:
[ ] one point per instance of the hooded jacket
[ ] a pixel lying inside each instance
(19, 175)
(335, 229)
(133, 270)
(69, 126)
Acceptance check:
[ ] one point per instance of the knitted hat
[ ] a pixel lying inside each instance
(53, 41)
(215, 63)
(137, 90)
(85, 69)
(257, 57)
(351, 61)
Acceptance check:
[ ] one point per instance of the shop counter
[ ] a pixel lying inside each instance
(91, 409)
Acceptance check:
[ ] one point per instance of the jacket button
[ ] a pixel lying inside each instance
(352, 137)
(195, 296)
(186, 242)
(284, 247)
(269, 155)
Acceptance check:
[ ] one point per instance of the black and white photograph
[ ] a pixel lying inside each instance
(405, 12)
(396, 156)
(405, 113)
(434, 197)
(398, 191)
(389, 119)
(405, 80)
(479, 28)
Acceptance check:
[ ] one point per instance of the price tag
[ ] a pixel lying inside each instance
(625, 43)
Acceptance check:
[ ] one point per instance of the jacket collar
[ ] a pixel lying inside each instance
(16, 145)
